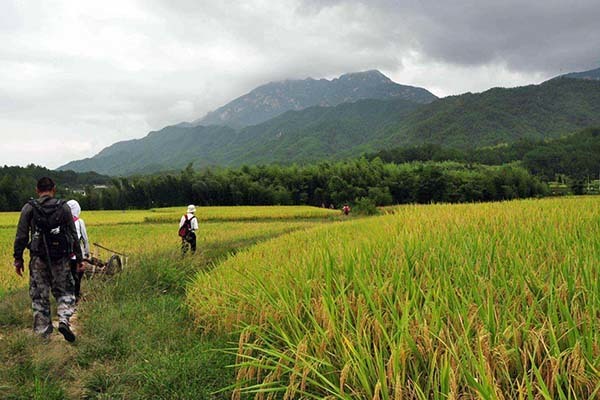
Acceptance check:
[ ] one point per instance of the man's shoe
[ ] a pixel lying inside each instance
(66, 332)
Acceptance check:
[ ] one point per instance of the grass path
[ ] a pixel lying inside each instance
(136, 339)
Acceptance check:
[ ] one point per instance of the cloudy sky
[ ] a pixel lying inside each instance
(76, 76)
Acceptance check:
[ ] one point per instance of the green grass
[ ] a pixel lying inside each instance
(137, 339)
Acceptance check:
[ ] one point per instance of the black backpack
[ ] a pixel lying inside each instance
(49, 236)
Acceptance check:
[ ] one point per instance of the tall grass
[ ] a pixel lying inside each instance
(491, 301)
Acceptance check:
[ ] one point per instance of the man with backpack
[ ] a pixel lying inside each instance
(46, 227)
(187, 228)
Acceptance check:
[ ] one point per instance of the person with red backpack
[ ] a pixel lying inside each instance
(346, 209)
(188, 225)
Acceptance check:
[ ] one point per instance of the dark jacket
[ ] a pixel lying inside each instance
(25, 228)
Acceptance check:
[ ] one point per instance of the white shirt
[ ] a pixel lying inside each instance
(193, 221)
(83, 237)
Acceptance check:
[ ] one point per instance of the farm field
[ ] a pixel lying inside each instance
(139, 232)
(482, 301)
(491, 301)
(169, 214)
(127, 348)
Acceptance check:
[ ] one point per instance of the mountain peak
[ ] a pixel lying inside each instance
(275, 98)
(372, 75)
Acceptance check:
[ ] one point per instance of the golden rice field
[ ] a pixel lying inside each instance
(168, 214)
(477, 301)
(130, 233)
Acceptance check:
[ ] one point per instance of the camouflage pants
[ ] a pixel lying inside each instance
(43, 279)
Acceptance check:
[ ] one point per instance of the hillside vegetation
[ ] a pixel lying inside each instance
(169, 149)
(575, 156)
(497, 116)
(492, 301)
(322, 132)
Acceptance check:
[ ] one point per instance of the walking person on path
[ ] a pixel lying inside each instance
(46, 227)
(188, 225)
(83, 241)
(346, 209)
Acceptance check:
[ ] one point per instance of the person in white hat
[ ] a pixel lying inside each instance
(188, 225)
(83, 241)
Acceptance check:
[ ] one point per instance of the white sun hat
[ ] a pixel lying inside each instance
(191, 209)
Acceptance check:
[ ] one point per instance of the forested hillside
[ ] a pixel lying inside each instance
(577, 156)
(501, 115)
(309, 135)
(497, 116)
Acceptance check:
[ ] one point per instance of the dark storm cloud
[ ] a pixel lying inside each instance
(535, 35)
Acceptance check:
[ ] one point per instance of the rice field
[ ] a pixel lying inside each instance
(140, 232)
(169, 214)
(477, 301)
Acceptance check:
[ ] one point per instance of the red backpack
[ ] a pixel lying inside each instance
(186, 228)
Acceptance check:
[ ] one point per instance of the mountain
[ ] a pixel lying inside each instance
(275, 98)
(593, 74)
(318, 133)
(497, 116)
(327, 130)
(170, 148)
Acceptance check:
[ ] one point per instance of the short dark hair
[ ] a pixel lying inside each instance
(45, 184)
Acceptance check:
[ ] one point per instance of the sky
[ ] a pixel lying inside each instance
(77, 76)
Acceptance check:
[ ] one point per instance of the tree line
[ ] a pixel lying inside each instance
(17, 184)
(422, 174)
(362, 181)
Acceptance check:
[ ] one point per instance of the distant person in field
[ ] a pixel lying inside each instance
(188, 225)
(346, 209)
(82, 239)
(46, 227)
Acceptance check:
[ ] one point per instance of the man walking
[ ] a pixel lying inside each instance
(188, 225)
(46, 227)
